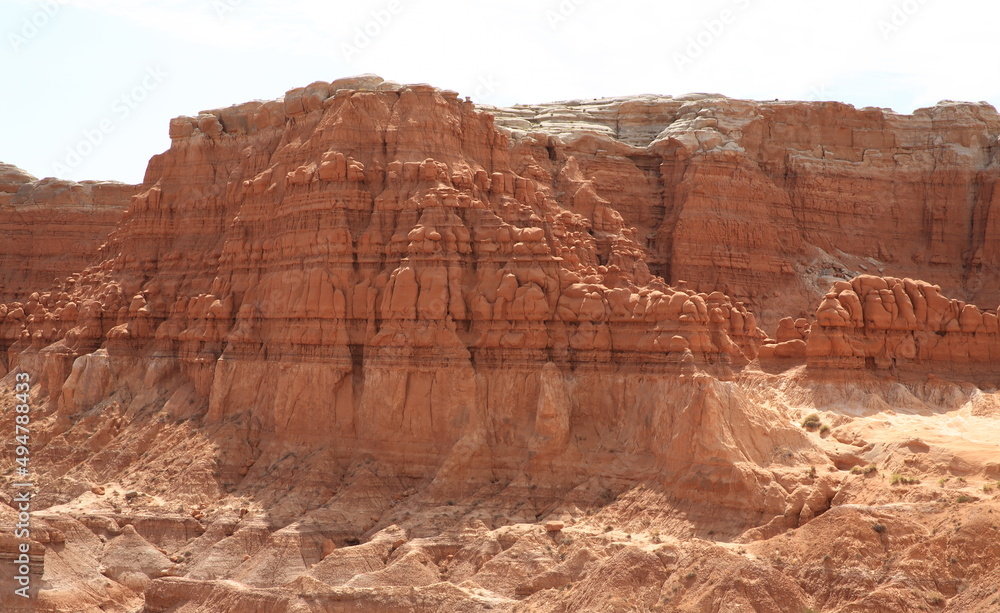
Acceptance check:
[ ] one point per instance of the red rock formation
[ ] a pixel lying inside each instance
(771, 202)
(342, 234)
(51, 229)
(362, 345)
(884, 322)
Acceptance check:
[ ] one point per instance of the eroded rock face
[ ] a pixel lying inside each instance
(51, 229)
(370, 344)
(352, 229)
(888, 323)
(771, 202)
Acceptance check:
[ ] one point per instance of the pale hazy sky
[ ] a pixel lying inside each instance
(89, 86)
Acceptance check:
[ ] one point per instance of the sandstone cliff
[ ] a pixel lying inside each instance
(771, 202)
(369, 346)
(51, 229)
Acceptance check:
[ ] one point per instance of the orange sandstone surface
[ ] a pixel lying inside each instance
(370, 347)
(51, 229)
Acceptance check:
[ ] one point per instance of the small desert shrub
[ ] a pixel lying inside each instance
(898, 479)
(864, 470)
(811, 421)
(880, 528)
(608, 528)
(963, 499)
(987, 488)
(824, 429)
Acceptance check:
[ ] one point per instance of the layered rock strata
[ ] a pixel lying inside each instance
(771, 202)
(325, 319)
(51, 229)
(884, 322)
(359, 263)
